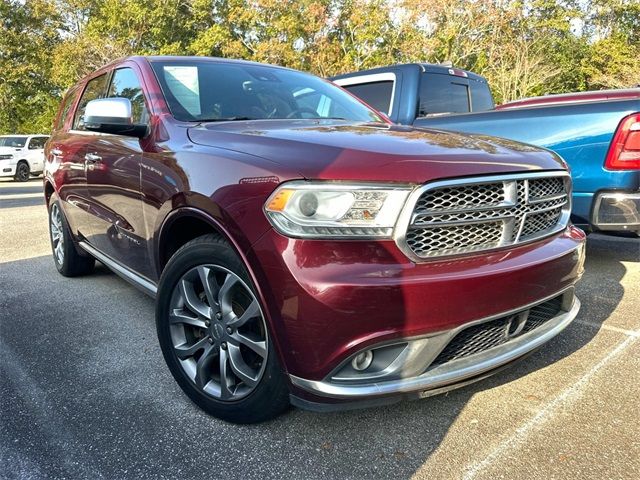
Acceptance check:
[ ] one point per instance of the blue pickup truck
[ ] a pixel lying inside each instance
(598, 138)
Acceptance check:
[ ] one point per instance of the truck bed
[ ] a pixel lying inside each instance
(579, 132)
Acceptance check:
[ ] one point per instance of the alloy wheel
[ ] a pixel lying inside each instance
(57, 234)
(218, 332)
(22, 172)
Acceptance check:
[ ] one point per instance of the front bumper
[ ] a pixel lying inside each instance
(7, 168)
(454, 373)
(328, 300)
(616, 210)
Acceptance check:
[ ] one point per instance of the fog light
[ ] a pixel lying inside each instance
(362, 361)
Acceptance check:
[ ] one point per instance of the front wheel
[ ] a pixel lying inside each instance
(214, 336)
(22, 172)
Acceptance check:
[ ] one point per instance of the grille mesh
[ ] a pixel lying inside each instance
(464, 197)
(481, 337)
(545, 187)
(478, 216)
(456, 238)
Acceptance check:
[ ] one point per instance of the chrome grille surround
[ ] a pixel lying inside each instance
(465, 215)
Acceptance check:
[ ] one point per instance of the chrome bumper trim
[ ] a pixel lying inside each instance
(627, 216)
(453, 372)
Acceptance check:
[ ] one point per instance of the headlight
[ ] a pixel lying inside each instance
(6, 157)
(336, 210)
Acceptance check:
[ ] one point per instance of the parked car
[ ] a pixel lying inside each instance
(302, 249)
(598, 134)
(22, 156)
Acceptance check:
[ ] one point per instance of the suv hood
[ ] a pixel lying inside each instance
(337, 150)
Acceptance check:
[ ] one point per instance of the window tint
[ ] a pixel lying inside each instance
(442, 94)
(95, 89)
(14, 142)
(481, 98)
(125, 84)
(217, 91)
(376, 94)
(37, 143)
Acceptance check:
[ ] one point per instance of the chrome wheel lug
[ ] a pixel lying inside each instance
(207, 323)
(229, 330)
(224, 345)
(210, 339)
(218, 315)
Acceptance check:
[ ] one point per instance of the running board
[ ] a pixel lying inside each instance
(123, 272)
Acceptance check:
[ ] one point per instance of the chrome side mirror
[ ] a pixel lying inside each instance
(112, 115)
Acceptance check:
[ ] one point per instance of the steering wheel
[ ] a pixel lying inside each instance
(303, 110)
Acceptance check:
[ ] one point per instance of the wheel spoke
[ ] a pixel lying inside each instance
(201, 378)
(225, 389)
(258, 346)
(252, 311)
(192, 301)
(185, 351)
(240, 368)
(178, 316)
(205, 278)
(224, 295)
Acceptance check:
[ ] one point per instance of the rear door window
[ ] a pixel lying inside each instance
(443, 94)
(376, 94)
(37, 143)
(95, 89)
(67, 103)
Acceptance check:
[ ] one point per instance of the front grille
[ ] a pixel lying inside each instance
(483, 336)
(481, 214)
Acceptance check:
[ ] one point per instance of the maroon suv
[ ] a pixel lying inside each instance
(300, 248)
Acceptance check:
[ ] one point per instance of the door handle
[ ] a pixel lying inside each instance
(92, 158)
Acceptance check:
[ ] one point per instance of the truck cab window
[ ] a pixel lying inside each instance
(376, 94)
(442, 94)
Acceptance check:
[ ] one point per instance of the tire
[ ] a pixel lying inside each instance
(65, 256)
(218, 332)
(22, 172)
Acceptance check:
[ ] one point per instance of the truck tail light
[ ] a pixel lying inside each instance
(624, 151)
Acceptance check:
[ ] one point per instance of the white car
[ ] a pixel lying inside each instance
(22, 156)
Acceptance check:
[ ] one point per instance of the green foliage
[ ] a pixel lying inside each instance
(523, 47)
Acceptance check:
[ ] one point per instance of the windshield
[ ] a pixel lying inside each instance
(16, 142)
(218, 91)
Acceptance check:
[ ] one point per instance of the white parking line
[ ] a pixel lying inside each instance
(611, 328)
(21, 195)
(568, 395)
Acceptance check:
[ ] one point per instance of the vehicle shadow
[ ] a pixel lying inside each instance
(105, 399)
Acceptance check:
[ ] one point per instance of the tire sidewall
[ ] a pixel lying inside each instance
(73, 264)
(246, 409)
(65, 229)
(22, 164)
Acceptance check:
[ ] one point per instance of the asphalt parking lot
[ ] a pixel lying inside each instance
(84, 392)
